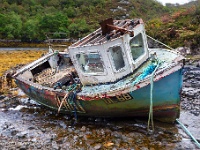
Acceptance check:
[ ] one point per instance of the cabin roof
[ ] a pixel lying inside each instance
(110, 29)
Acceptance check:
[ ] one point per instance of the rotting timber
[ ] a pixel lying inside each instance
(107, 74)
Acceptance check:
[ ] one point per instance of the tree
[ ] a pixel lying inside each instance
(78, 28)
(53, 23)
(70, 11)
(11, 26)
(30, 30)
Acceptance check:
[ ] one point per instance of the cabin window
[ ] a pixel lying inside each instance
(90, 63)
(117, 57)
(137, 46)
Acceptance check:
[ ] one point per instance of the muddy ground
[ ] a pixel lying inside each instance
(25, 125)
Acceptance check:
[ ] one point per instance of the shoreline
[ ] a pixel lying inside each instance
(22, 48)
(31, 44)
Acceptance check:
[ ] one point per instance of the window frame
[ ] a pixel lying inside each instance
(112, 60)
(90, 73)
(143, 46)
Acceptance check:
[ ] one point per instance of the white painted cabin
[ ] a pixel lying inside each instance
(110, 53)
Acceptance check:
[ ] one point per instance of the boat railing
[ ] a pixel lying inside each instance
(33, 64)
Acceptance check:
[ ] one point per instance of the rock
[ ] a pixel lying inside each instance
(22, 134)
(83, 128)
(55, 145)
(70, 130)
(198, 64)
(21, 146)
(63, 125)
(144, 148)
(116, 134)
(98, 120)
(89, 142)
(2, 97)
(98, 146)
(39, 146)
(66, 146)
(108, 144)
(75, 138)
(14, 132)
(34, 140)
(43, 130)
(53, 136)
(31, 127)
(184, 50)
(124, 138)
(76, 131)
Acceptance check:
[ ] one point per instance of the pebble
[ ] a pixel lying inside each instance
(83, 128)
(55, 145)
(98, 146)
(22, 134)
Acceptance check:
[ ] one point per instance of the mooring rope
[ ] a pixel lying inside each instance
(160, 42)
(188, 132)
(73, 102)
(151, 98)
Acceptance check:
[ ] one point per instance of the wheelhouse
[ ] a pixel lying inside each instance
(107, 56)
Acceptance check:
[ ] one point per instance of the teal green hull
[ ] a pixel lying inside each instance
(166, 100)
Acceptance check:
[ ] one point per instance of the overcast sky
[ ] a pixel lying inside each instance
(174, 1)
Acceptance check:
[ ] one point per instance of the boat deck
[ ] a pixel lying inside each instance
(49, 77)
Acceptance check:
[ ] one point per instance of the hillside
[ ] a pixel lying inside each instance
(34, 20)
(180, 28)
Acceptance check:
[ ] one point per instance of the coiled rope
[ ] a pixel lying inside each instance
(188, 132)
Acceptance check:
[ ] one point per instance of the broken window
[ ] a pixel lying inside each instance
(137, 46)
(117, 57)
(90, 63)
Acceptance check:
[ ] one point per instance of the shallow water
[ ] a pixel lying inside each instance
(26, 125)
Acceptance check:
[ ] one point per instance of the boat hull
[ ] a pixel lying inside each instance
(166, 100)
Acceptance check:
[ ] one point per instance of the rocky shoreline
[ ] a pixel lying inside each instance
(25, 125)
(191, 90)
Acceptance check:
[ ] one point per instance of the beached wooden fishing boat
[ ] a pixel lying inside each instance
(109, 73)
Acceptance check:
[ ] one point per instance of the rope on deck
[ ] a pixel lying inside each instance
(188, 132)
